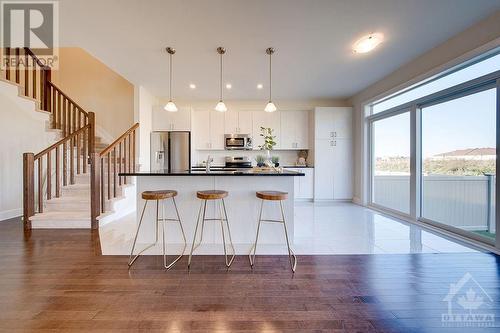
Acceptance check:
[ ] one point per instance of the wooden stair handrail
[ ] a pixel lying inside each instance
(39, 62)
(83, 141)
(53, 85)
(118, 156)
(120, 139)
(63, 140)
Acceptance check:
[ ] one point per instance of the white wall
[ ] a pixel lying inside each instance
(22, 129)
(478, 38)
(143, 114)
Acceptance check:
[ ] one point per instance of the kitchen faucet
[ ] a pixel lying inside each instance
(209, 161)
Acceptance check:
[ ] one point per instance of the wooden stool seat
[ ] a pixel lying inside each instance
(158, 195)
(211, 194)
(271, 195)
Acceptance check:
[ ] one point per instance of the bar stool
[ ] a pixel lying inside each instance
(212, 195)
(273, 196)
(159, 196)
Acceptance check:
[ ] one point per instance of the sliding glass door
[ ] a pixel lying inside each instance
(433, 159)
(391, 162)
(458, 164)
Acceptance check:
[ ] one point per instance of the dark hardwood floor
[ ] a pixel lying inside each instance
(57, 280)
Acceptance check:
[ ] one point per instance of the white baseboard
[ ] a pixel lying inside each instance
(357, 201)
(8, 214)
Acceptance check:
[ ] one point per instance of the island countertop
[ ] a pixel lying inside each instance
(238, 172)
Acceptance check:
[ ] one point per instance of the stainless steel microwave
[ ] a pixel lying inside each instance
(238, 142)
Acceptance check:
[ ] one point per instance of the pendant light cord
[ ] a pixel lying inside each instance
(170, 84)
(270, 77)
(221, 76)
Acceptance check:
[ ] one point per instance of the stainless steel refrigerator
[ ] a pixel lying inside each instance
(170, 151)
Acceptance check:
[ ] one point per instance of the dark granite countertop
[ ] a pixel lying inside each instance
(238, 172)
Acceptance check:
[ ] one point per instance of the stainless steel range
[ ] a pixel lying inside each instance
(238, 162)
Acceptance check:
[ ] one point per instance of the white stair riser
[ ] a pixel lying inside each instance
(59, 224)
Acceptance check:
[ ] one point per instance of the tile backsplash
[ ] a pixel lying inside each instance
(287, 157)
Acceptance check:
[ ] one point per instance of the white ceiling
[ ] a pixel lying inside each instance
(313, 39)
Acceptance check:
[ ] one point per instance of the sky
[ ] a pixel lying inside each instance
(467, 122)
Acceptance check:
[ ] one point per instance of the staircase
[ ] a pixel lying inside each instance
(75, 180)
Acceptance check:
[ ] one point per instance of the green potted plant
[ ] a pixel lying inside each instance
(275, 160)
(260, 159)
(269, 143)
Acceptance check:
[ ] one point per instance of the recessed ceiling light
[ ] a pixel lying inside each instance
(260, 86)
(368, 43)
(229, 85)
(192, 86)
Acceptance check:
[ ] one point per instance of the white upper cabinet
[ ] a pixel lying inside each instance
(265, 119)
(238, 122)
(342, 123)
(333, 122)
(245, 122)
(216, 129)
(208, 129)
(231, 122)
(294, 129)
(323, 119)
(171, 121)
(201, 129)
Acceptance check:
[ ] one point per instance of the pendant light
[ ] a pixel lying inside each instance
(170, 106)
(270, 107)
(221, 107)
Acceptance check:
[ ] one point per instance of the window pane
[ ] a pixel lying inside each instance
(458, 169)
(391, 162)
(481, 68)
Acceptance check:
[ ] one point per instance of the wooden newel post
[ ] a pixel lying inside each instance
(95, 195)
(47, 97)
(91, 133)
(28, 188)
(95, 174)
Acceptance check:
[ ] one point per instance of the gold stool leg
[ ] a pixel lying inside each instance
(132, 260)
(254, 247)
(291, 254)
(168, 266)
(203, 206)
(222, 210)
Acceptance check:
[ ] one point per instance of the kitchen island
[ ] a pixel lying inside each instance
(241, 204)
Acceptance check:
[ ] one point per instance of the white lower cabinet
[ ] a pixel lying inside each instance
(333, 169)
(304, 185)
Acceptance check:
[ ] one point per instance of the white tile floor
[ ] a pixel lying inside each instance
(320, 228)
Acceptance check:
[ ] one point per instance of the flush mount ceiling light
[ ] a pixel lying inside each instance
(260, 86)
(192, 86)
(221, 107)
(229, 85)
(270, 107)
(170, 106)
(368, 43)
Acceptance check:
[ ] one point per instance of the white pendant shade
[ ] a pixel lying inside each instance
(270, 107)
(221, 107)
(170, 107)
